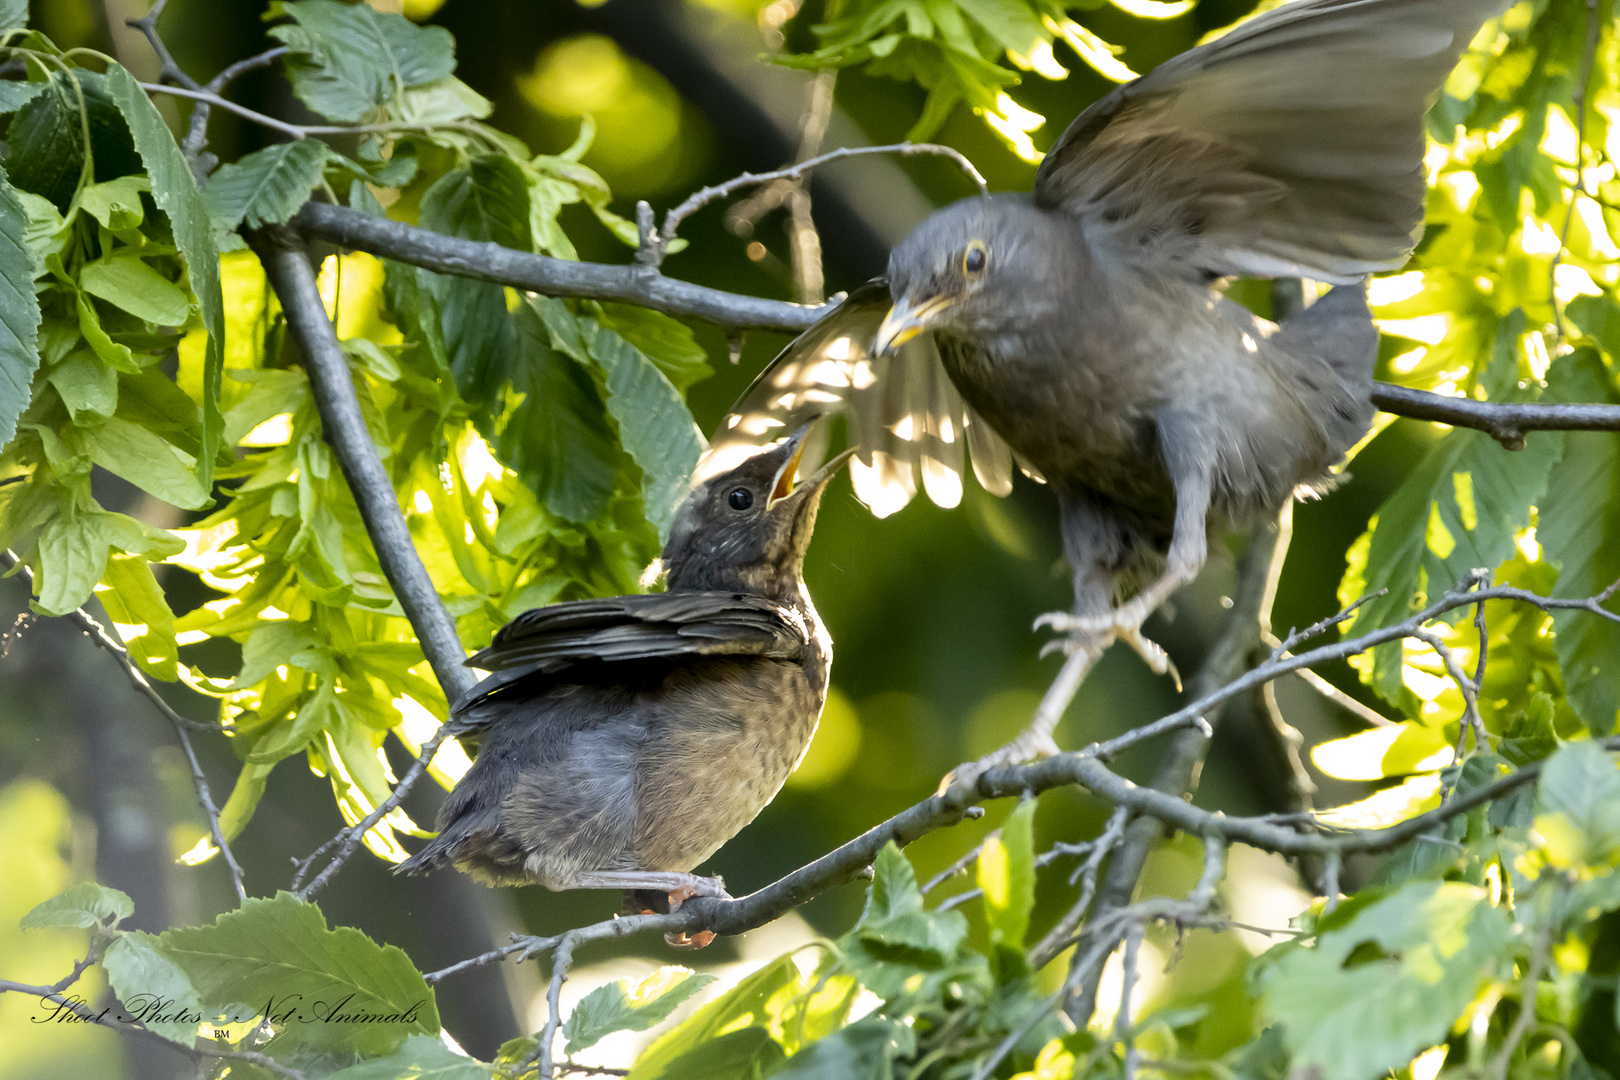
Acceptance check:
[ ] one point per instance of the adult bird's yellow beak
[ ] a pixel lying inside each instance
(905, 321)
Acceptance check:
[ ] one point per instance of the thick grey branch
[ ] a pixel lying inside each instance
(1505, 422)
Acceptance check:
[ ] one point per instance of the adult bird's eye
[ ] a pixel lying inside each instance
(740, 499)
(975, 258)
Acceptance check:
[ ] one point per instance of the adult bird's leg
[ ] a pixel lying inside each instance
(1189, 461)
(680, 887)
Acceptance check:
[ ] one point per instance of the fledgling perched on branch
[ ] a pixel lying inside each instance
(623, 740)
(1079, 332)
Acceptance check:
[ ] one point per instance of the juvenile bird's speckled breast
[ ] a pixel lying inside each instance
(723, 738)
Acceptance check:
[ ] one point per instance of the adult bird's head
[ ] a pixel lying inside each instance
(977, 267)
(747, 529)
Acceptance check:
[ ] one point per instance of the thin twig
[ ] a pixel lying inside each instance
(97, 633)
(1540, 953)
(1058, 937)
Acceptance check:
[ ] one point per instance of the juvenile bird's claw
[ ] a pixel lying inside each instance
(700, 887)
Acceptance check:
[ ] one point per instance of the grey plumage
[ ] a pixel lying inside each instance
(622, 741)
(1077, 332)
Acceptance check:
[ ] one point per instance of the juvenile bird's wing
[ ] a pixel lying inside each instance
(1290, 146)
(627, 629)
(903, 412)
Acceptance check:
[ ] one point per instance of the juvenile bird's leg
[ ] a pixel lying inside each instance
(1188, 459)
(680, 887)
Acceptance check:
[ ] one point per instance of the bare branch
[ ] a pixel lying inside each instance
(1506, 422)
(287, 266)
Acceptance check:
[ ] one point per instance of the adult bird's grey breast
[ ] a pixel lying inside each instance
(1079, 333)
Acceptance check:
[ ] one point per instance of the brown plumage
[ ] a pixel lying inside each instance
(623, 740)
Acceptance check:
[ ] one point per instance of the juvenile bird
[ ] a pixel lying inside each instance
(623, 740)
(1079, 330)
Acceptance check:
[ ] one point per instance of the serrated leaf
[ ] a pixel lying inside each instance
(14, 95)
(623, 1006)
(442, 101)
(1458, 509)
(420, 1057)
(865, 1050)
(175, 191)
(1439, 943)
(1006, 873)
(745, 1006)
(746, 1054)
(13, 13)
(348, 59)
(19, 313)
(895, 937)
(1578, 526)
(655, 425)
(153, 989)
(666, 341)
(267, 186)
(280, 951)
(82, 906)
(126, 282)
(1397, 750)
(45, 142)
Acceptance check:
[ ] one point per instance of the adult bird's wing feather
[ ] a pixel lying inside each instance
(1291, 145)
(551, 640)
(904, 413)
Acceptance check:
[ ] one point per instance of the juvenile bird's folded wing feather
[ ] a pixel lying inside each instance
(1291, 145)
(904, 413)
(628, 629)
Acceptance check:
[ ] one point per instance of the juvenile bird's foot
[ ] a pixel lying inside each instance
(1028, 746)
(700, 886)
(677, 886)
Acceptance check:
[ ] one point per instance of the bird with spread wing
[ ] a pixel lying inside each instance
(1079, 332)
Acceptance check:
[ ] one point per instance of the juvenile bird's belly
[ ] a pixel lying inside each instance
(729, 734)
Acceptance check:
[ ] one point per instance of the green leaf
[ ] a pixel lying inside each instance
(280, 951)
(117, 203)
(747, 1003)
(442, 101)
(140, 611)
(895, 938)
(126, 282)
(655, 425)
(1436, 944)
(13, 13)
(88, 387)
(1578, 526)
(419, 1057)
(266, 187)
(865, 1050)
(153, 988)
(667, 342)
(19, 313)
(45, 141)
(1007, 875)
(1397, 750)
(621, 1006)
(147, 460)
(244, 798)
(348, 59)
(175, 192)
(14, 95)
(82, 906)
(293, 734)
(73, 556)
(1458, 509)
(1582, 783)
(746, 1054)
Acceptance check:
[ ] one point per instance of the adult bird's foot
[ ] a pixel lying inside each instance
(1027, 747)
(699, 886)
(1121, 624)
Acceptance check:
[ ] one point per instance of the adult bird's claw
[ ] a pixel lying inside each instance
(1121, 624)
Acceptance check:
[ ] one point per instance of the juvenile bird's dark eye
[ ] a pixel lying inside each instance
(740, 499)
(975, 258)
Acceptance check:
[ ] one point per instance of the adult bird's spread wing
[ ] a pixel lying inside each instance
(904, 412)
(549, 641)
(1290, 146)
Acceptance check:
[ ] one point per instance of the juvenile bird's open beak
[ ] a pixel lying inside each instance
(787, 483)
(905, 321)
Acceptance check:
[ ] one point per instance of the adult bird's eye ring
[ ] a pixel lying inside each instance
(740, 499)
(975, 258)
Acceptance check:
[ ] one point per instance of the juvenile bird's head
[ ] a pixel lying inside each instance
(980, 266)
(747, 529)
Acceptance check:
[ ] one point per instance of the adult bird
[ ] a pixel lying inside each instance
(622, 741)
(1080, 330)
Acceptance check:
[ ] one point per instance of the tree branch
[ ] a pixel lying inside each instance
(1506, 422)
(286, 264)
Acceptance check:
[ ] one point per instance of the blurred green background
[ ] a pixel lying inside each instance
(930, 610)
